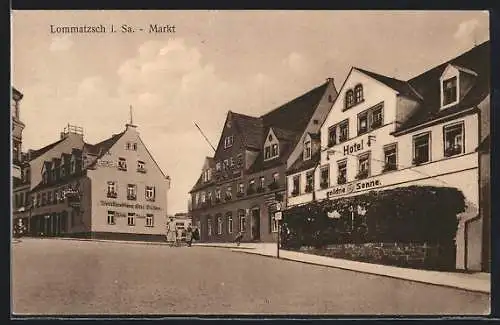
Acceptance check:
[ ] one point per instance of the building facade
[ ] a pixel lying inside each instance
(239, 186)
(112, 189)
(17, 133)
(385, 133)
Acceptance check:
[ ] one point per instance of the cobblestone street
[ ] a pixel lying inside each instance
(82, 277)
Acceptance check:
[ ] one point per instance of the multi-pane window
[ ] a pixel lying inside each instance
(112, 190)
(296, 185)
(132, 192)
(150, 193)
(453, 139)
(217, 195)
(332, 136)
(274, 150)
(309, 181)
(218, 166)
(363, 166)
(371, 119)
(358, 93)
(242, 220)
(239, 160)
(209, 197)
(111, 217)
(449, 91)
(342, 172)
(210, 226)
(343, 131)
(228, 141)
(262, 183)
(229, 193)
(251, 186)
(225, 165)
(363, 122)
(203, 197)
(207, 175)
(122, 163)
(390, 157)
(141, 166)
(241, 188)
(349, 98)
(421, 148)
(267, 152)
(276, 177)
(229, 223)
(149, 220)
(131, 219)
(220, 225)
(307, 150)
(325, 176)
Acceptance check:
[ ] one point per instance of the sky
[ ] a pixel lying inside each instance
(248, 62)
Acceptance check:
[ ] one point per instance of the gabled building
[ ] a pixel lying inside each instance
(238, 187)
(112, 189)
(384, 133)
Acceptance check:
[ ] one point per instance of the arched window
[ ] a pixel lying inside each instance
(358, 93)
(349, 98)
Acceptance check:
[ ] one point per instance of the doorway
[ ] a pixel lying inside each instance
(255, 224)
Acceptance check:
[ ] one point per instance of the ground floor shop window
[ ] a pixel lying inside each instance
(111, 217)
(242, 220)
(149, 220)
(131, 219)
(274, 222)
(210, 226)
(229, 223)
(219, 225)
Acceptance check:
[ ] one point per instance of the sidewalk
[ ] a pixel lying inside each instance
(478, 282)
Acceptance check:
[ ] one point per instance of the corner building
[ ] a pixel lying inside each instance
(113, 189)
(239, 186)
(386, 133)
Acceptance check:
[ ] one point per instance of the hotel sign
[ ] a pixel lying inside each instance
(353, 187)
(355, 147)
(130, 206)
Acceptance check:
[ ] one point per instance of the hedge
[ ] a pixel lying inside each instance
(414, 214)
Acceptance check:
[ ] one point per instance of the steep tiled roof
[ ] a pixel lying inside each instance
(300, 164)
(37, 153)
(428, 85)
(286, 135)
(102, 147)
(295, 114)
(400, 86)
(250, 128)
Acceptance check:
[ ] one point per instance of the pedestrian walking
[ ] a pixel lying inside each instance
(178, 238)
(239, 237)
(189, 235)
(171, 232)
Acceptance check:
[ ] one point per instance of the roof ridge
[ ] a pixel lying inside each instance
(295, 98)
(449, 61)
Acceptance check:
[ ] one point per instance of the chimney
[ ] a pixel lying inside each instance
(330, 79)
(62, 135)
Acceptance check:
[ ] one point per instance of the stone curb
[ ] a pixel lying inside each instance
(226, 247)
(104, 241)
(365, 272)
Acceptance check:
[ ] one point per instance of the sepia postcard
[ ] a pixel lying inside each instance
(267, 162)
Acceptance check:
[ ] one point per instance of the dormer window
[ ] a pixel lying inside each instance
(349, 98)
(307, 150)
(450, 92)
(228, 142)
(207, 175)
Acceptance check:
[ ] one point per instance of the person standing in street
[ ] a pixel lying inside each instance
(189, 235)
(171, 232)
(238, 238)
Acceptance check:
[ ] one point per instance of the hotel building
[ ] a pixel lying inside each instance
(112, 189)
(238, 187)
(385, 133)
